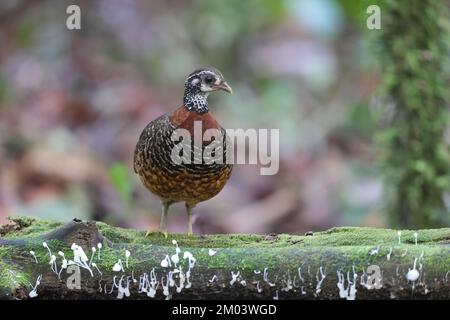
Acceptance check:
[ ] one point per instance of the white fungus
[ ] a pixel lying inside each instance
(288, 286)
(175, 258)
(92, 254)
(34, 256)
(166, 262)
(341, 285)
(44, 244)
(374, 251)
(99, 246)
(123, 290)
(188, 279)
(212, 252)
(388, 257)
(175, 243)
(118, 266)
(413, 274)
(420, 261)
(171, 281)
(64, 263)
(182, 278)
(300, 274)
(352, 290)
(266, 277)
(276, 296)
(234, 277)
(258, 288)
(319, 282)
(303, 290)
(190, 257)
(127, 255)
(165, 287)
(187, 255)
(147, 286)
(80, 258)
(348, 293)
(53, 265)
(33, 293)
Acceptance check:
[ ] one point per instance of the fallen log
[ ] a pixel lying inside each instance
(42, 259)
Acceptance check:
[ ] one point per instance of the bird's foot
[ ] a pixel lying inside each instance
(165, 233)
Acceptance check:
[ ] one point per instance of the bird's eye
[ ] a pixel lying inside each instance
(209, 79)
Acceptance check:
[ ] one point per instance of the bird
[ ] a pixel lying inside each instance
(186, 182)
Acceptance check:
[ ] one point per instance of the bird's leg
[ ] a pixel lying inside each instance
(163, 223)
(189, 213)
(165, 211)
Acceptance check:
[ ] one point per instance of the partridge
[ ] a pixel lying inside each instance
(192, 181)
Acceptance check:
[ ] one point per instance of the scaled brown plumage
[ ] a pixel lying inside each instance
(185, 182)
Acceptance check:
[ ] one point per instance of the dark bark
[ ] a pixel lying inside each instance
(339, 250)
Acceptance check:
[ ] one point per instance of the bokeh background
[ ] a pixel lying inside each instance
(73, 103)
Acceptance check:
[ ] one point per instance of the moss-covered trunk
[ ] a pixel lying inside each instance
(342, 263)
(415, 58)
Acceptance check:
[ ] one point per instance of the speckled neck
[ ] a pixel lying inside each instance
(195, 100)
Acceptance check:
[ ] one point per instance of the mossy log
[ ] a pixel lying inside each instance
(341, 263)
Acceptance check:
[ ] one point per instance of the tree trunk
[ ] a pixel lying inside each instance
(414, 50)
(341, 263)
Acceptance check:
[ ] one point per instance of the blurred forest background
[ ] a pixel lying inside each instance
(73, 103)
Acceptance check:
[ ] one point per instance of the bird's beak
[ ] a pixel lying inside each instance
(224, 86)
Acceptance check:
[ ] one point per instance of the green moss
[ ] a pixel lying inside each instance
(120, 235)
(10, 279)
(5, 251)
(415, 160)
(335, 249)
(340, 236)
(350, 236)
(30, 227)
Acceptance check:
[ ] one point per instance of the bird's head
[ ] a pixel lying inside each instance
(206, 80)
(199, 84)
